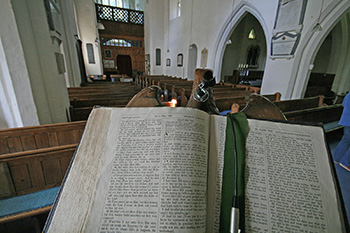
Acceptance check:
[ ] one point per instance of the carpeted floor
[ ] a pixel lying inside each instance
(344, 179)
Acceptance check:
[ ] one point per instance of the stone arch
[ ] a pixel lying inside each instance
(310, 45)
(228, 27)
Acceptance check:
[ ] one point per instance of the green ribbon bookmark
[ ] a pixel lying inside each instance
(240, 128)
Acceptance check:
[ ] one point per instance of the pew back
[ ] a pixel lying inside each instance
(34, 170)
(325, 114)
(37, 137)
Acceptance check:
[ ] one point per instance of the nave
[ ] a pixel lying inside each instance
(36, 158)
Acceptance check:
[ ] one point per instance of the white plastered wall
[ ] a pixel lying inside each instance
(70, 51)
(9, 112)
(209, 24)
(17, 104)
(86, 19)
(342, 79)
(154, 33)
(48, 86)
(199, 24)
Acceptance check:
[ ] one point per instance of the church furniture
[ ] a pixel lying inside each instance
(37, 137)
(79, 114)
(34, 170)
(30, 181)
(27, 209)
(325, 114)
(144, 81)
(218, 91)
(308, 110)
(83, 99)
(110, 101)
(33, 162)
(225, 103)
(300, 104)
(321, 84)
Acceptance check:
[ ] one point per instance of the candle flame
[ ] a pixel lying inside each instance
(173, 103)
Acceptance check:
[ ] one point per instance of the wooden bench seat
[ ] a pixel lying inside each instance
(101, 96)
(219, 91)
(37, 137)
(30, 180)
(325, 114)
(230, 93)
(97, 91)
(299, 104)
(107, 102)
(152, 80)
(34, 170)
(33, 161)
(225, 103)
(27, 205)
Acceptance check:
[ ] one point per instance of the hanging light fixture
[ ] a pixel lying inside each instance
(100, 26)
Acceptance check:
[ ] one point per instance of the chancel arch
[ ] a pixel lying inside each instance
(330, 68)
(325, 50)
(245, 53)
(244, 13)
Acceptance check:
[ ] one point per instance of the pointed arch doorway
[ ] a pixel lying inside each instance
(330, 74)
(245, 52)
(226, 31)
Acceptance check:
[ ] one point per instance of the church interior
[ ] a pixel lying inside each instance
(60, 58)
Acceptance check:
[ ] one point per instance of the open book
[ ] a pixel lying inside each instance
(168, 169)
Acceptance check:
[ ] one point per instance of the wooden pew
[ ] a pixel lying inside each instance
(37, 137)
(116, 89)
(33, 161)
(300, 104)
(82, 99)
(321, 84)
(309, 110)
(108, 102)
(35, 170)
(218, 91)
(79, 114)
(325, 114)
(153, 79)
(230, 93)
(225, 103)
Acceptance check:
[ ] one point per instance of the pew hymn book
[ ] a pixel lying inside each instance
(161, 170)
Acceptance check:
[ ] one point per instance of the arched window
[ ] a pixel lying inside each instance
(116, 42)
(251, 35)
(158, 56)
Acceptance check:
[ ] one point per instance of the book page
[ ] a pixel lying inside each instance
(290, 187)
(154, 172)
(216, 166)
(73, 204)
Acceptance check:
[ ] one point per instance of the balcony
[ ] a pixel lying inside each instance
(116, 14)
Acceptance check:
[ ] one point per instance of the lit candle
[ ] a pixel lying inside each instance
(171, 103)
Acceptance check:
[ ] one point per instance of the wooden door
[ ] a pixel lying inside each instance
(124, 64)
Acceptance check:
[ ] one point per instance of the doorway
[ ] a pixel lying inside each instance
(124, 65)
(245, 53)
